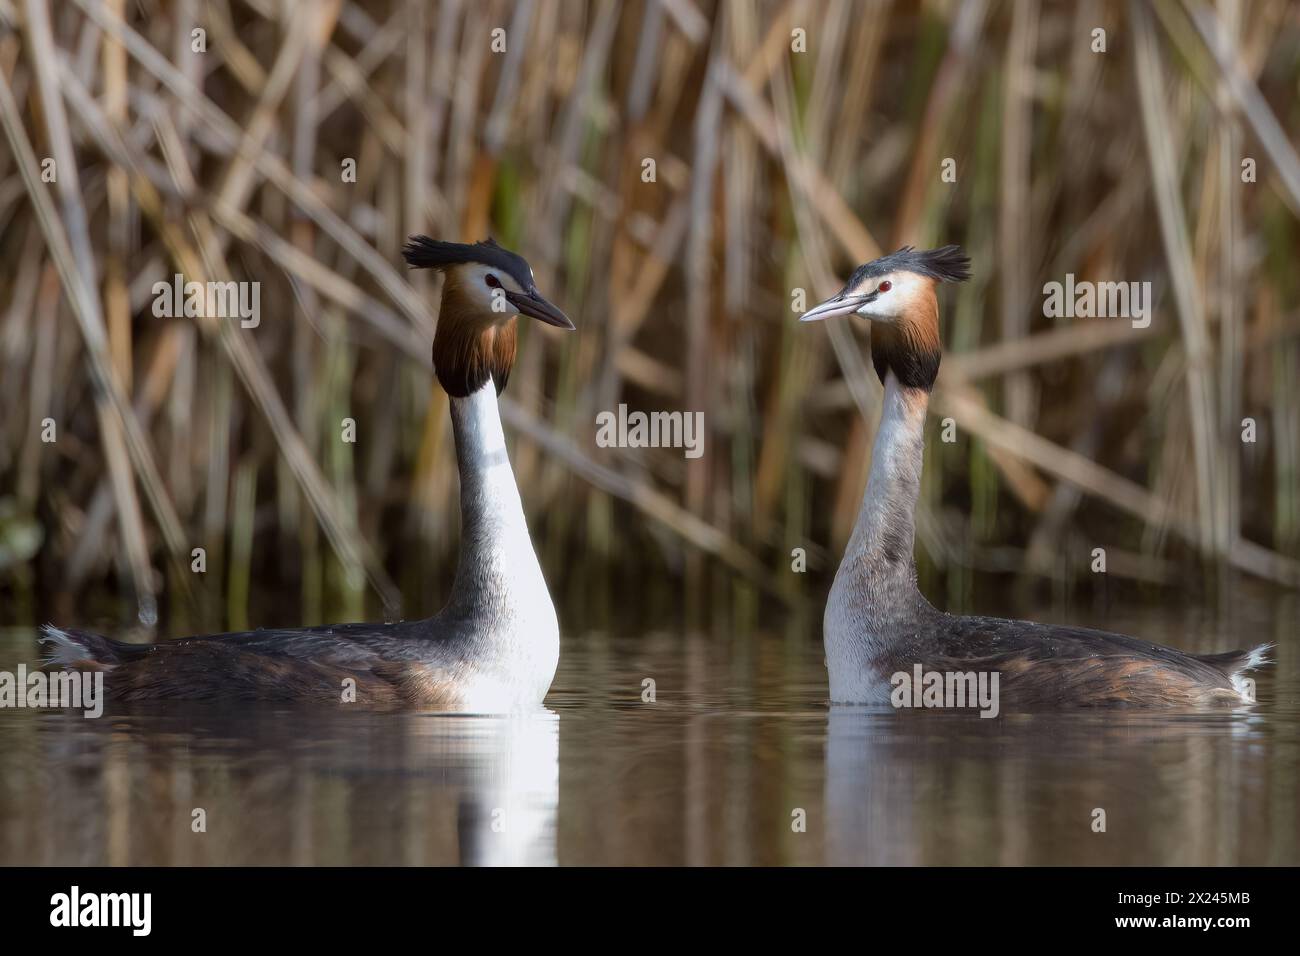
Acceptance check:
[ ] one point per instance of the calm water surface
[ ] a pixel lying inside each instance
(738, 748)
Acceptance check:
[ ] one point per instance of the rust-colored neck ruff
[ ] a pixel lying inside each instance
(909, 346)
(468, 348)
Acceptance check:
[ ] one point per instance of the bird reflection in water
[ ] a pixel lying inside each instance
(266, 786)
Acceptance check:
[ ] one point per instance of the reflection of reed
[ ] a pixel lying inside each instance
(774, 170)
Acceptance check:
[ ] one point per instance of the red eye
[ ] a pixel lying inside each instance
(885, 286)
(492, 281)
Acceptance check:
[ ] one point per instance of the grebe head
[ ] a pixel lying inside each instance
(896, 292)
(485, 288)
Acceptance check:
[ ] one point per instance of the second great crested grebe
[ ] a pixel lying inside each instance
(877, 623)
(495, 645)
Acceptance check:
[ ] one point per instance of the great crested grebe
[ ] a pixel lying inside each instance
(877, 623)
(494, 647)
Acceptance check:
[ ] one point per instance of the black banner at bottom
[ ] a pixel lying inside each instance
(334, 905)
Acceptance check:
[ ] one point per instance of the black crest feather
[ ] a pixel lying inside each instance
(946, 264)
(421, 252)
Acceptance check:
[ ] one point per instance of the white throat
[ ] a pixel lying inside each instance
(499, 589)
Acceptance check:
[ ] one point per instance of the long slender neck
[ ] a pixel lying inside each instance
(885, 532)
(498, 567)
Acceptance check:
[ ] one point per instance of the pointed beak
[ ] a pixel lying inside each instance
(842, 304)
(532, 304)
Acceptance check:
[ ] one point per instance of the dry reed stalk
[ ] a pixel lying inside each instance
(125, 446)
(1015, 229)
(1246, 96)
(1186, 288)
(776, 169)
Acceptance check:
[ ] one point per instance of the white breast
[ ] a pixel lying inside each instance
(499, 596)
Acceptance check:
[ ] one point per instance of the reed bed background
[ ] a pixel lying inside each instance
(775, 169)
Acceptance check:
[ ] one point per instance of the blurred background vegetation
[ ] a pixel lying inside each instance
(791, 141)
